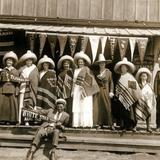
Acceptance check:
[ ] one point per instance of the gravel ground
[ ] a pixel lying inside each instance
(19, 154)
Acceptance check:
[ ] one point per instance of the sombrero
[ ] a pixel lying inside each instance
(46, 59)
(101, 58)
(130, 66)
(28, 55)
(63, 58)
(82, 55)
(144, 70)
(12, 55)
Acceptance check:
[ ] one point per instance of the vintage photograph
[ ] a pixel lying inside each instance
(79, 79)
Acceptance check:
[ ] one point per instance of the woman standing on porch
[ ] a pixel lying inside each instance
(47, 87)
(28, 91)
(105, 82)
(9, 90)
(84, 87)
(65, 81)
(128, 93)
(143, 112)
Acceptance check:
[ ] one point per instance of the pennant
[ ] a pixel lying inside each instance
(62, 42)
(132, 42)
(84, 42)
(52, 42)
(123, 44)
(42, 39)
(103, 41)
(72, 44)
(112, 43)
(142, 45)
(94, 40)
(31, 38)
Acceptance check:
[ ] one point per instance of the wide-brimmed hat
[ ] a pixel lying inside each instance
(12, 55)
(46, 59)
(101, 58)
(61, 101)
(144, 70)
(28, 55)
(82, 55)
(62, 59)
(130, 66)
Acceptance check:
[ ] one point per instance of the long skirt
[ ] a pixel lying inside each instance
(82, 109)
(8, 108)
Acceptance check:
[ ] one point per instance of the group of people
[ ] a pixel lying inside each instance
(88, 93)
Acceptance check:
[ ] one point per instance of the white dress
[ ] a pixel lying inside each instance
(82, 107)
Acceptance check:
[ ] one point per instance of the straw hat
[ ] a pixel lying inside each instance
(101, 58)
(82, 55)
(130, 66)
(61, 101)
(144, 70)
(12, 55)
(46, 59)
(63, 58)
(28, 55)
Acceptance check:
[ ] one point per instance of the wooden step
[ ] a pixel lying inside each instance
(85, 139)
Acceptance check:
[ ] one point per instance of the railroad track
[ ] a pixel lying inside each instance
(86, 139)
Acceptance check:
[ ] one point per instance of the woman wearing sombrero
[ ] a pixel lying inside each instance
(65, 81)
(47, 87)
(128, 93)
(28, 70)
(9, 89)
(105, 82)
(84, 87)
(148, 101)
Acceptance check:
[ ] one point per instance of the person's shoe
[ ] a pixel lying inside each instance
(158, 130)
(112, 128)
(53, 155)
(29, 155)
(134, 129)
(149, 130)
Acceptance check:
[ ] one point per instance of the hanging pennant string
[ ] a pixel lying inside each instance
(94, 41)
(62, 42)
(132, 42)
(52, 42)
(72, 44)
(142, 45)
(123, 44)
(42, 39)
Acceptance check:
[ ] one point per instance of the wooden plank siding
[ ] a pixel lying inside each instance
(117, 10)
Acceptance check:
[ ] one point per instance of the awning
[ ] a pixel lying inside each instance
(83, 30)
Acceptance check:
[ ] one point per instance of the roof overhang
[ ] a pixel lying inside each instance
(102, 31)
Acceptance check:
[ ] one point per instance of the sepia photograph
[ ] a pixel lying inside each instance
(79, 79)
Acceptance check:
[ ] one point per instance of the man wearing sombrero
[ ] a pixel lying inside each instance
(30, 71)
(65, 81)
(128, 93)
(105, 82)
(47, 87)
(147, 101)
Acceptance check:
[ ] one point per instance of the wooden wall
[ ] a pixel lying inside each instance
(118, 10)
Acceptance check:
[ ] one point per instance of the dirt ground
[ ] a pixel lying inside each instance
(19, 154)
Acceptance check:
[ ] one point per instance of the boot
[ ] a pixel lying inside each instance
(148, 126)
(30, 155)
(53, 155)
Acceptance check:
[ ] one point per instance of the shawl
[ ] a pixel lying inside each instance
(87, 81)
(127, 90)
(65, 81)
(47, 90)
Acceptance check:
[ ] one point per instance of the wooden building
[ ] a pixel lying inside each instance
(116, 28)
